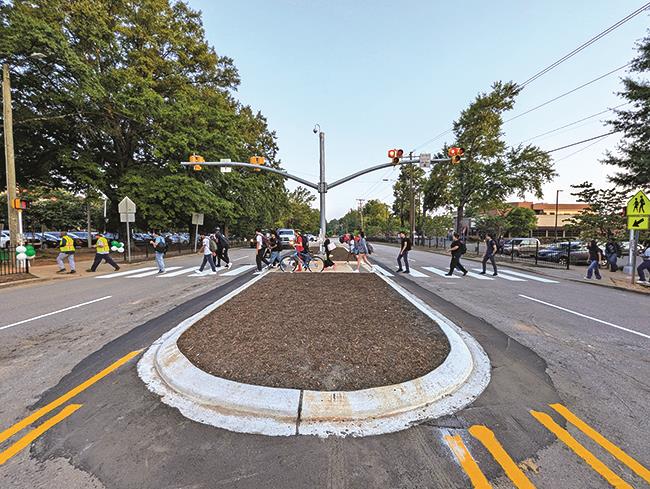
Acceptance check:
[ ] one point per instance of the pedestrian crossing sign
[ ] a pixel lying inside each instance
(639, 205)
(638, 223)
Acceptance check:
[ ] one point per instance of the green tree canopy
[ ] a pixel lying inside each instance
(521, 221)
(604, 217)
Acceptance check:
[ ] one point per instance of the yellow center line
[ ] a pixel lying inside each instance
(580, 450)
(36, 432)
(11, 431)
(489, 440)
(639, 469)
(467, 462)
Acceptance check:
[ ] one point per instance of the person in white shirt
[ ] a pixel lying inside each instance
(260, 246)
(208, 255)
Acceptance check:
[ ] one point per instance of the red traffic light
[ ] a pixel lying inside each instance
(392, 153)
(395, 155)
(455, 153)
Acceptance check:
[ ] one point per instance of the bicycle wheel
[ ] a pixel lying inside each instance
(288, 263)
(316, 264)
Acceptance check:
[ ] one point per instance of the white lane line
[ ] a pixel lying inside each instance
(586, 317)
(439, 272)
(122, 274)
(385, 273)
(147, 274)
(531, 277)
(237, 271)
(240, 258)
(475, 275)
(503, 276)
(178, 272)
(414, 273)
(55, 312)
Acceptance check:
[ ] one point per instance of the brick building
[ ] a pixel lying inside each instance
(545, 214)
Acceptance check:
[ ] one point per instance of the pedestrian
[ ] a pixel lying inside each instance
(260, 249)
(490, 251)
(595, 257)
(405, 247)
(160, 247)
(501, 245)
(276, 248)
(102, 252)
(208, 254)
(223, 245)
(362, 252)
(457, 250)
(645, 265)
(612, 252)
(327, 244)
(66, 250)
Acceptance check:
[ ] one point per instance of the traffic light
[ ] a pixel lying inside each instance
(455, 153)
(19, 204)
(256, 160)
(197, 159)
(395, 155)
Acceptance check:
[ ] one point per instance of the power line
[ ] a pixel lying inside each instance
(585, 45)
(579, 151)
(574, 123)
(568, 93)
(580, 142)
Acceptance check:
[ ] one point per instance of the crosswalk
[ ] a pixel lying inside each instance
(504, 274)
(176, 272)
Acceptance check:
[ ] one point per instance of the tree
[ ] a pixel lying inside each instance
(603, 218)
(521, 221)
(402, 192)
(634, 123)
(492, 223)
(490, 171)
(299, 213)
(437, 225)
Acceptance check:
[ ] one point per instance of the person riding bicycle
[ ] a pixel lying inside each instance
(301, 249)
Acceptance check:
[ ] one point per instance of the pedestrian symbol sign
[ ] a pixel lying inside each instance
(639, 205)
(638, 223)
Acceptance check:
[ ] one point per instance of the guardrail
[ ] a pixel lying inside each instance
(9, 264)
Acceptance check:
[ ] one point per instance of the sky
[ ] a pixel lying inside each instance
(385, 74)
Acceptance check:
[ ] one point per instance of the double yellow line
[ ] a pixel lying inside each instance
(32, 435)
(515, 474)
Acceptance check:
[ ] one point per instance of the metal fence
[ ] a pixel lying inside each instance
(537, 254)
(144, 251)
(9, 264)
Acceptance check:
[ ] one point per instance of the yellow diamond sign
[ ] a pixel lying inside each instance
(638, 223)
(639, 205)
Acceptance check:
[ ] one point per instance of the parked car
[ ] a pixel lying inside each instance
(4, 239)
(84, 236)
(559, 253)
(48, 240)
(286, 236)
(33, 239)
(78, 242)
(521, 246)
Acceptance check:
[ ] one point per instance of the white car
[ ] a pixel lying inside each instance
(286, 236)
(4, 239)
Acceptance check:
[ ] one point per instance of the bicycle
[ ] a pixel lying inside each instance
(291, 262)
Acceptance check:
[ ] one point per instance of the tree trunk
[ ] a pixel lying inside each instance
(459, 217)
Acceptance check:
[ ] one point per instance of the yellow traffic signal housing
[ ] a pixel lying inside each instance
(197, 168)
(194, 158)
(256, 160)
(18, 204)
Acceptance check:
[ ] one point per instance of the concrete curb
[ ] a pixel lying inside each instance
(282, 412)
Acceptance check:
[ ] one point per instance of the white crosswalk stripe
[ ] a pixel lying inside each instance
(439, 272)
(122, 274)
(147, 274)
(530, 277)
(503, 276)
(415, 273)
(385, 273)
(237, 271)
(475, 275)
(184, 271)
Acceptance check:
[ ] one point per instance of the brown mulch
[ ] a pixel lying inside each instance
(15, 277)
(341, 254)
(316, 331)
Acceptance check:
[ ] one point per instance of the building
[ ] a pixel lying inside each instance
(545, 214)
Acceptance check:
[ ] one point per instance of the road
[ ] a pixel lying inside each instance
(551, 342)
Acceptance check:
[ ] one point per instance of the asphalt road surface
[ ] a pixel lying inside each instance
(567, 406)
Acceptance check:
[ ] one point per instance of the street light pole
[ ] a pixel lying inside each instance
(557, 200)
(322, 187)
(12, 213)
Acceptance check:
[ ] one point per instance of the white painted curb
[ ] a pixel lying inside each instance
(281, 412)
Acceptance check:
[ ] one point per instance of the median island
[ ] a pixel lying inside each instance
(324, 332)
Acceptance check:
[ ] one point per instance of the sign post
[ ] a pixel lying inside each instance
(126, 207)
(638, 219)
(197, 220)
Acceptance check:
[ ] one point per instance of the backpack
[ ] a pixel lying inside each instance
(213, 245)
(162, 247)
(341, 239)
(463, 248)
(223, 241)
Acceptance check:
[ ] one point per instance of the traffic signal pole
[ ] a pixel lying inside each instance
(322, 188)
(12, 214)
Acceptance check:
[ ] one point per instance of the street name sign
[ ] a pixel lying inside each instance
(225, 169)
(638, 223)
(425, 160)
(126, 206)
(197, 218)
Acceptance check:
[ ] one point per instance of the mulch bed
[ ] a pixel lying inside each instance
(341, 254)
(316, 331)
(15, 277)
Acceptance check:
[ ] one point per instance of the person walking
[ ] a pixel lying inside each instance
(327, 244)
(160, 247)
(66, 250)
(612, 251)
(362, 252)
(645, 264)
(208, 254)
(276, 248)
(222, 248)
(595, 257)
(102, 252)
(490, 251)
(260, 249)
(457, 250)
(405, 247)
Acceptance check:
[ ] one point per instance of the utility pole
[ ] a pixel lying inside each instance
(12, 214)
(323, 185)
(557, 200)
(412, 210)
(360, 206)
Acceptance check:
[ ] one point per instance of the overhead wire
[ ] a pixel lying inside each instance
(583, 141)
(580, 150)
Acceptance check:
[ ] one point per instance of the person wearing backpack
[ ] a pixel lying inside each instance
(276, 248)
(490, 251)
(160, 247)
(457, 250)
(612, 252)
(208, 254)
(222, 248)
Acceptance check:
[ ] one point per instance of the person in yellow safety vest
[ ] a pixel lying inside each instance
(66, 249)
(102, 252)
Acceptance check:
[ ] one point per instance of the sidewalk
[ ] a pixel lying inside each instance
(576, 273)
